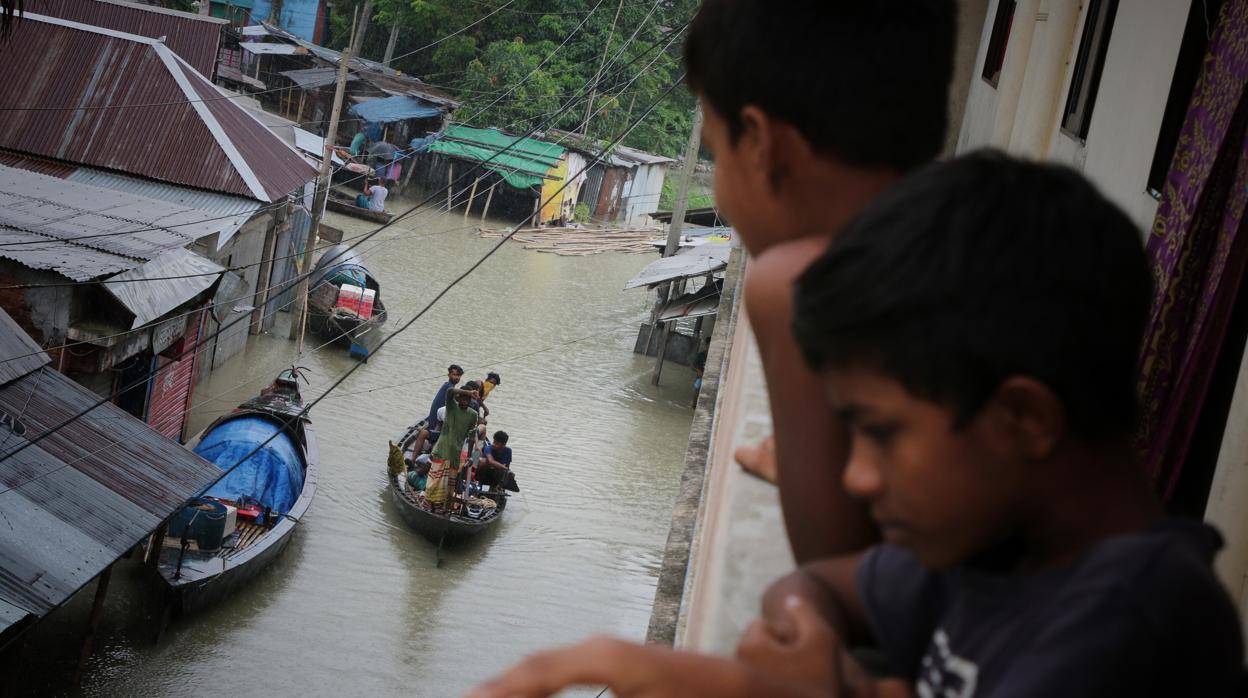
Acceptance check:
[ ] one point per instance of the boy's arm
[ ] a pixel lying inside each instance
(638, 671)
(811, 445)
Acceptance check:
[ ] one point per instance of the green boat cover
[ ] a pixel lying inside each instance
(526, 162)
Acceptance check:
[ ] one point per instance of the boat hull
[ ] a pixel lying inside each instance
(438, 528)
(348, 208)
(194, 580)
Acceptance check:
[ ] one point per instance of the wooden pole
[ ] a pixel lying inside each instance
(471, 196)
(318, 205)
(489, 195)
(394, 37)
(450, 183)
(673, 235)
(357, 43)
(97, 609)
(302, 96)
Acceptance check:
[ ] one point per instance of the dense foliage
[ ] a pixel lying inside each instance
(532, 63)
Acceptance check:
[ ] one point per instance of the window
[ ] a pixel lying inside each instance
(1200, 22)
(1089, 63)
(994, 59)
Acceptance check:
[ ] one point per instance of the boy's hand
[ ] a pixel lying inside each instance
(632, 671)
(802, 648)
(799, 645)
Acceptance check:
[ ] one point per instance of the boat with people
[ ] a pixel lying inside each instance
(339, 202)
(475, 509)
(223, 538)
(344, 301)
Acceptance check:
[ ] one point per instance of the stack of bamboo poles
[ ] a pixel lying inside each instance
(578, 242)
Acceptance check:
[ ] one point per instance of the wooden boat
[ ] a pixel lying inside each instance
(263, 440)
(441, 527)
(340, 265)
(345, 204)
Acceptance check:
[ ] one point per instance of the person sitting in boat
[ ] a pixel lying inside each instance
(453, 374)
(375, 200)
(418, 472)
(495, 462)
(458, 424)
(428, 434)
(492, 381)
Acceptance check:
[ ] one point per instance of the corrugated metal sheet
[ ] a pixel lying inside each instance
(143, 111)
(644, 194)
(79, 499)
(232, 211)
(678, 267)
(193, 37)
(154, 294)
(19, 354)
(34, 163)
(116, 231)
(312, 78)
(265, 49)
(172, 384)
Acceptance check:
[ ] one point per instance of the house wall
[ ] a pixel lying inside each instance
(644, 193)
(1023, 113)
(243, 253)
(299, 17)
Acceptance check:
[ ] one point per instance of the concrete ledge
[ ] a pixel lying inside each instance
(669, 594)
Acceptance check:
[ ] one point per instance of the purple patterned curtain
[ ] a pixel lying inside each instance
(1198, 248)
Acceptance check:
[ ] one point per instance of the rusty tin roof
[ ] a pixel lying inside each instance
(127, 103)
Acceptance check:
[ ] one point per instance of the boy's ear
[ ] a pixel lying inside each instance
(760, 146)
(1031, 416)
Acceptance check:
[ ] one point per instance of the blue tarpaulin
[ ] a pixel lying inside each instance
(395, 108)
(272, 475)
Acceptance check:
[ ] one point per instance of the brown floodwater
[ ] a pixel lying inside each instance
(356, 605)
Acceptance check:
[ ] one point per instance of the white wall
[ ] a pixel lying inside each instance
(1023, 114)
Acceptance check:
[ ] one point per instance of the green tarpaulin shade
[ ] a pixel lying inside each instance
(525, 162)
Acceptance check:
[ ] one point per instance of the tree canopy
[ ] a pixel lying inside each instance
(521, 64)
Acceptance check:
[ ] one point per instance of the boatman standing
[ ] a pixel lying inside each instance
(459, 421)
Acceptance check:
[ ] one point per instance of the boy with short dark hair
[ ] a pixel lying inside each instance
(976, 330)
(812, 109)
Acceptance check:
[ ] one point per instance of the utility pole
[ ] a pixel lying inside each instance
(358, 41)
(593, 90)
(679, 207)
(318, 203)
(394, 37)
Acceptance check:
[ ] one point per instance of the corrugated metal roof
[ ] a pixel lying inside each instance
(34, 163)
(311, 78)
(267, 49)
(677, 267)
(80, 498)
(118, 230)
(193, 37)
(157, 293)
(147, 112)
(231, 212)
(383, 77)
(19, 354)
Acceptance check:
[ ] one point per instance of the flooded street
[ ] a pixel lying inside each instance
(356, 605)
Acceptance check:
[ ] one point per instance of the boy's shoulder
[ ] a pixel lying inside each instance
(769, 278)
(1140, 612)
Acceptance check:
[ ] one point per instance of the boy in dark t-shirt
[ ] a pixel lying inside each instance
(976, 330)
